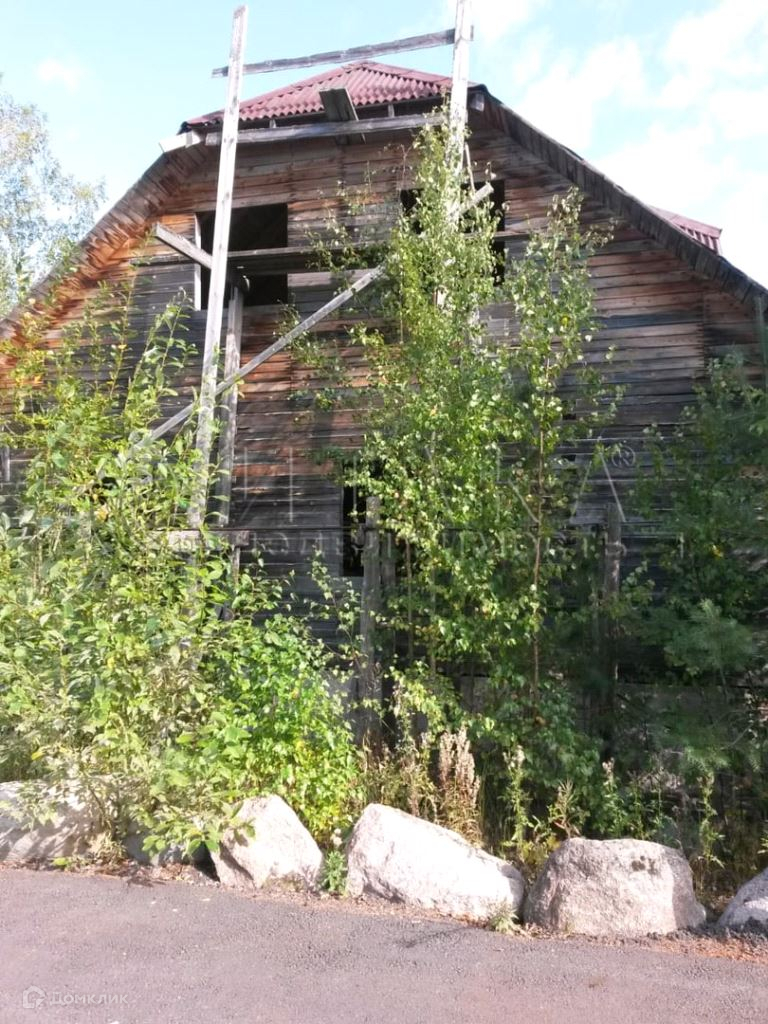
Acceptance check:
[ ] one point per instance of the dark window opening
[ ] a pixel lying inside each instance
(408, 200)
(354, 501)
(499, 249)
(252, 227)
(353, 530)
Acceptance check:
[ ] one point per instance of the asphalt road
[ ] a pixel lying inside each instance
(103, 950)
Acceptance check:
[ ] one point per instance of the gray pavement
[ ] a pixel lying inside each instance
(77, 949)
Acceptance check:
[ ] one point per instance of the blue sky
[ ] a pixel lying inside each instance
(668, 97)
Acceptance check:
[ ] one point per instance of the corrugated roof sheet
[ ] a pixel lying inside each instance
(367, 82)
(704, 233)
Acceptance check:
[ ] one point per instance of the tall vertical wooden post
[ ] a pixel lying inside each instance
(229, 410)
(370, 606)
(460, 76)
(5, 463)
(223, 216)
(457, 118)
(611, 589)
(762, 336)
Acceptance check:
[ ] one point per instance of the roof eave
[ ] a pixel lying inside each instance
(125, 220)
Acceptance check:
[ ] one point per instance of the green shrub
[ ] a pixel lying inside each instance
(131, 669)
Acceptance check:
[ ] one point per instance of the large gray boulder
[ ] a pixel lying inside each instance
(748, 910)
(618, 887)
(272, 847)
(400, 857)
(133, 847)
(67, 834)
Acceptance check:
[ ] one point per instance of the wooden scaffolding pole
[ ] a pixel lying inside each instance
(369, 683)
(223, 215)
(229, 411)
(460, 76)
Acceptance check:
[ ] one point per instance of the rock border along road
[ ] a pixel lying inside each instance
(78, 948)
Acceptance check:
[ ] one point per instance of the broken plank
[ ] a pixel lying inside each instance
(338, 105)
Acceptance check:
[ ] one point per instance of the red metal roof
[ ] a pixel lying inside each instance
(367, 82)
(704, 233)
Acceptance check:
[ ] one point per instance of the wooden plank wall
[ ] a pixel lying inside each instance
(664, 322)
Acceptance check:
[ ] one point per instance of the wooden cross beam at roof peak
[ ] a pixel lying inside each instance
(352, 53)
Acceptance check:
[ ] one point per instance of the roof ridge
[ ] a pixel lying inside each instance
(397, 69)
(369, 83)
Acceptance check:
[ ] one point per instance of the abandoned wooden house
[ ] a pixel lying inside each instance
(668, 300)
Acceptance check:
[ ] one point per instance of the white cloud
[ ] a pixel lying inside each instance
(532, 49)
(565, 101)
(731, 37)
(703, 52)
(67, 73)
(657, 167)
(675, 114)
(704, 150)
(743, 212)
(739, 114)
(493, 19)
(689, 171)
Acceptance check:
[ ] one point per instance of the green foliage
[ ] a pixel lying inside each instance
(334, 876)
(503, 920)
(402, 774)
(694, 621)
(710, 643)
(709, 485)
(464, 430)
(466, 435)
(120, 673)
(43, 210)
(133, 668)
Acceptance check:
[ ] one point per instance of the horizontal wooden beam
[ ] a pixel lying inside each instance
(182, 245)
(295, 259)
(290, 259)
(424, 42)
(195, 253)
(300, 257)
(335, 130)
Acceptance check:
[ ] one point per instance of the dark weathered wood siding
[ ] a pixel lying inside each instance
(664, 320)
